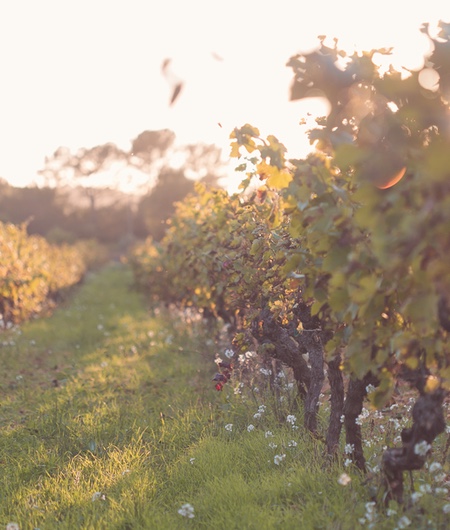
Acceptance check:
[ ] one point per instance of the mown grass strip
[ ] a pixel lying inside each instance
(86, 399)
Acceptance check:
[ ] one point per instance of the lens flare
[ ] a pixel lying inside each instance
(397, 177)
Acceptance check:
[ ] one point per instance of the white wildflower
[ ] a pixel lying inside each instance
(98, 495)
(277, 459)
(291, 419)
(440, 477)
(273, 445)
(229, 354)
(422, 448)
(446, 508)
(349, 449)
(229, 427)
(187, 510)
(370, 511)
(370, 507)
(416, 496)
(292, 443)
(370, 388)
(250, 428)
(425, 488)
(257, 416)
(238, 389)
(342, 418)
(344, 479)
(403, 522)
(191, 460)
(347, 462)
(441, 491)
(390, 512)
(435, 466)
(12, 526)
(265, 371)
(268, 434)
(364, 413)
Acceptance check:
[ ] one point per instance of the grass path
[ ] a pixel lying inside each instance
(109, 421)
(88, 398)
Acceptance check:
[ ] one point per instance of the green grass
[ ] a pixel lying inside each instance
(109, 420)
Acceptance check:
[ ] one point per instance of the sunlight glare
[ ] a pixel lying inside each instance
(429, 79)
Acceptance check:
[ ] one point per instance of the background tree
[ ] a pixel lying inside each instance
(65, 167)
(150, 146)
(165, 174)
(158, 205)
(204, 162)
(41, 208)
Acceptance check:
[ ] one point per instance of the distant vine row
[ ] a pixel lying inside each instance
(33, 273)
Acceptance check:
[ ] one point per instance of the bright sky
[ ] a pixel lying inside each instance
(85, 72)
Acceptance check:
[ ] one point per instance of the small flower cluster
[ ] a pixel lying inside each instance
(245, 358)
(422, 448)
(364, 414)
(344, 479)
(98, 496)
(291, 419)
(187, 510)
(261, 410)
(370, 516)
(277, 459)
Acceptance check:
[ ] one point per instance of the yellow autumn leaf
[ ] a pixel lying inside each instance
(280, 180)
(276, 178)
(235, 150)
(275, 144)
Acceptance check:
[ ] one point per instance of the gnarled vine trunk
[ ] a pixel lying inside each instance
(353, 406)
(428, 423)
(290, 351)
(336, 404)
(266, 330)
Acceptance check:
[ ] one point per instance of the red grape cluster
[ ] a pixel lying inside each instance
(224, 375)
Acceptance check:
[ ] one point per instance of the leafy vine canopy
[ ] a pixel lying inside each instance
(370, 207)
